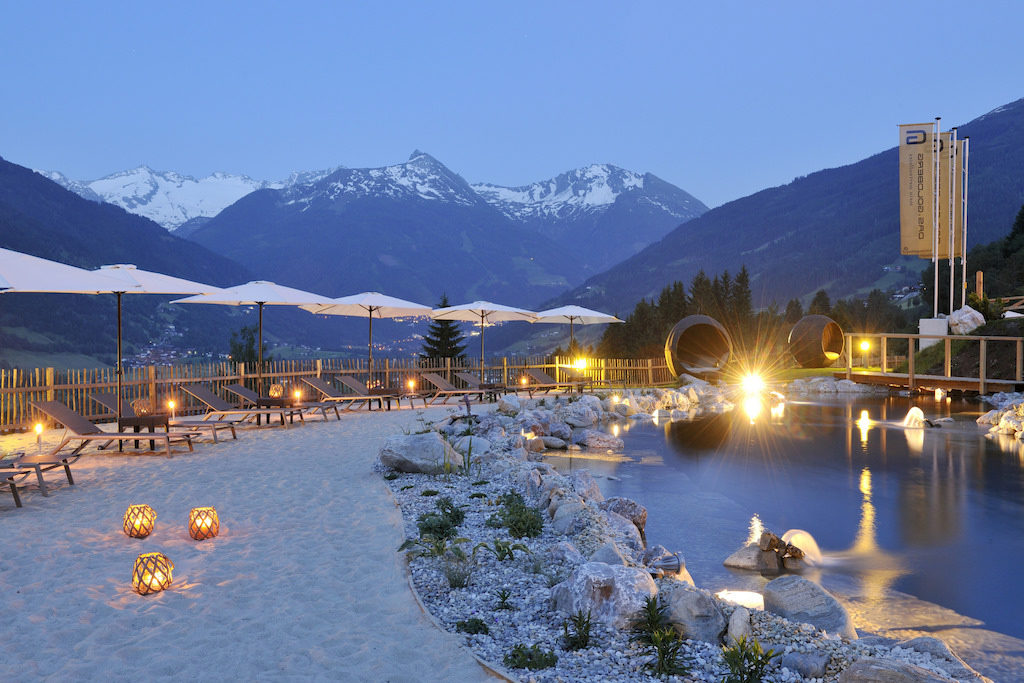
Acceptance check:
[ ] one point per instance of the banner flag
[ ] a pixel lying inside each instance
(917, 178)
(958, 199)
(945, 162)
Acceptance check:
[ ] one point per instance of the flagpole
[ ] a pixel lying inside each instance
(952, 208)
(936, 150)
(963, 249)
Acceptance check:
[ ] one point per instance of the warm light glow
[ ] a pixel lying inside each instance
(523, 381)
(865, 345)
(615, 430)
(580, 364)
(616, 398)
(778, 410)
(39, 428)
(866, 541)
(297, 394)
(153, 572)
(526, 435)
(139, 521)
(752, 384)
(748, 599)
(203, 523)
(171, 404)
(752, 407)
(411, 384)
(864, 424)
(939, 394)
(865, 482)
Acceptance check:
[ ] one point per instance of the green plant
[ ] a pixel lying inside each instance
(495, 521)
(478, 494)
(435, 525)
(458, 571)
(533, 658)
(746, 660)
(653, 617)
(431, 546)
(501, 549)
(406, 487)
(472, 625)
(481, 482)
(537, 564)
(503, 595)
(456, 514)
(429, 492)
(667, 643)
(579, 638)
(391, 476)
(521, 520)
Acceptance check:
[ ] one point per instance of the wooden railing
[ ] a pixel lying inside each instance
(158, 384)
(914, 340)
(1011, 303)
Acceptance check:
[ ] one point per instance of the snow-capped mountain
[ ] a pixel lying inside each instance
(421, 177)
(170, 198)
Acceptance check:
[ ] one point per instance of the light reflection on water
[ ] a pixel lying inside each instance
(936, 513)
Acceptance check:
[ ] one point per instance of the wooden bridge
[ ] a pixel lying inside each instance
(879, 346)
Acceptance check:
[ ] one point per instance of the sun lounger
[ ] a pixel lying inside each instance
(218, 408)
(109, 401)
(541, 380)
(10, 476)
(444, 388)
(329, 393)
(83, 430)
(490, 388)
(43, 462)
(291, 408)
(361, 389)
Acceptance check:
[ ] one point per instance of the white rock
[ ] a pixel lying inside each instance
(591, 438)
(798, 599)
(739, 626)
(508, 404)
(965, 320)
(695, 614)
(426, 453)
(472, 444)
(613, 594)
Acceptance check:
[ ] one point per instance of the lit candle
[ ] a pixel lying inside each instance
(39, 436)
(412, 385)
(203, 523)
(171, 404)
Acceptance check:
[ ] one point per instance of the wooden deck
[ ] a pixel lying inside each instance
(932, 382)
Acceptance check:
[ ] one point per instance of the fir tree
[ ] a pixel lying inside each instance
(242, 346)
(444, 339)
(794, 311)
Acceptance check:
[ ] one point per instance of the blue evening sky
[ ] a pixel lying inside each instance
(720, 98)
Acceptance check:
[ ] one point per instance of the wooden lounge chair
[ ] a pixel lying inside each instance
(11, 475)
(541, 380)
(218, 408)
(444, 388)
(329, 393)
(109, 401)
(492, 389)
(290, 407)
(42, 462)
(360, 389)
(85, 431)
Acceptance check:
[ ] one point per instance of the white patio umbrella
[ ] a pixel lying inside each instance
(370, 305)
(483, 312)
(133, 280)
(574, 315)
(23, 273)
(258, 293)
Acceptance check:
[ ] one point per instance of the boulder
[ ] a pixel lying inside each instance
(946, 658)
(695, 614)
(609, 553)
(798, 599)
(560, 430)
(624, 531)
(535, 445)
(613, 594)
(426, 453)
(564, 551)
(965, 320)
(532, 481)
(624, 409)
(564, 520)
(631, 510)
(509, 404)
(553, 442)
(807, 664)
(739, 626)
(744, 558)
(592, 402)
(578, 415)
(885, 670)
(591, 438)
(583, 484)
(472, 444)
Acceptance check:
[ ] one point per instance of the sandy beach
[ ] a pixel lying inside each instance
(302, 582)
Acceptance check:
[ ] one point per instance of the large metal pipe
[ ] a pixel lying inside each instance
(816, 341)
(697, 345)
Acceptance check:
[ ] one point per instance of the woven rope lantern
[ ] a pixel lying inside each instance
(139, 521)
(142, 407)
(276, 391)
(152, 573)
(203, 523)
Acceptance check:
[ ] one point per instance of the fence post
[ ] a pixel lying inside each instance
(49, 384)
(1020, 357)
(885, 354)
(947, 361)
(504, 369)
(650, 371)
(319, 367)
(152, 388)
(849, 356)
(910, 362)
(982, 362)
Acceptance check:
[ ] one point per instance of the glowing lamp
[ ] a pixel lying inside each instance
(616, 398)
(276, 391)
(752, 384)
(580, 364)
(203, 523)
(152, 573)
(172, 405)
(297, 395)
(139, 521)
(411, 384)
(939, 394)
(39, 435)
(523, 381)
(865, 345)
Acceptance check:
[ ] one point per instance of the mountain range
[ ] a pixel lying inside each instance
(836, 229)
(172, 199)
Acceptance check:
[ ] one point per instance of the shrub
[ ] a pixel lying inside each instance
(533, 658)
(503, 595)
(450, 510)
(652, 618)
(501, 549)
(458, 571)
(435, 525)
(472, 625)
(391, 476)
(521, 520)
(478, 494)
(746, 661)
(667, 643)
(429, 492)
(579, 638)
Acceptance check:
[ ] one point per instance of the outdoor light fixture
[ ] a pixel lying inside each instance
(152, 573)
(203, 523)
(139, 521)
(276, 391)
(748, 599)
(39, 435)
(752, 384)
(411, 384)
(616, 398)
(172, 405)
(297, 394)
(580, 364)
(865, 345)
(523, 380)
(864, 424)
(752, 407)
(939, 394)
(670, 564)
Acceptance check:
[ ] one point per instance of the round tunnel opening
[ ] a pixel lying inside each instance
(816, 341)
(697, 345)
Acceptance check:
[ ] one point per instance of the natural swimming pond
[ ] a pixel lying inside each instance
(921, 529)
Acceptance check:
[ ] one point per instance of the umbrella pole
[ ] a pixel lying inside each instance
(120, 371)
(572, 337)
(259, 365)
(369, 347)
(481, 347)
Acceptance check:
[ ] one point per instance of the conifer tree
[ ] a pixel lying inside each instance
(444, 339)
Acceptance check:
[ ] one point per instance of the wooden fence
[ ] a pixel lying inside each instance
(158, 384)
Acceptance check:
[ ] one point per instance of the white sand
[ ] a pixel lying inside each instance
(303, 581)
